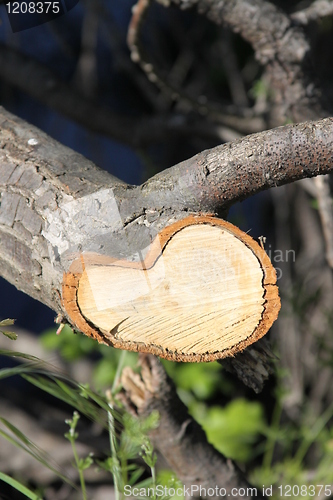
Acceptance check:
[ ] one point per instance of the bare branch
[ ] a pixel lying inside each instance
(233, 74)
(318, 9)
(219, 177)
(281, 47)
(326, 214)
(34, 207)
(45, 87)
(238, 118)
(138, 56)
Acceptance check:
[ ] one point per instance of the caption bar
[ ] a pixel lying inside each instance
(24, 14)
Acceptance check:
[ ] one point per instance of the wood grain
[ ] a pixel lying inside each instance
(205, 291)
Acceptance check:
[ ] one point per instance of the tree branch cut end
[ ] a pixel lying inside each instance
(204, 291)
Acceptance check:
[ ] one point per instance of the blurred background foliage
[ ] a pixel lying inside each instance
(283, 435)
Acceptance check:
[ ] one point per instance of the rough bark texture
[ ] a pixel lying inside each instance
(217, 178)
(180, 440)
(36, 175)
(55, 203)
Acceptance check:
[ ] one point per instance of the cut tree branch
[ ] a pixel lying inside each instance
(45, 187)
(55, 203)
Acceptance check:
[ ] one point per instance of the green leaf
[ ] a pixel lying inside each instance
(234, 429)
(15, 431)
(19, 487)
(202, 379)
(85, 463)
(134, 477)
(8, 322)
(9, 335)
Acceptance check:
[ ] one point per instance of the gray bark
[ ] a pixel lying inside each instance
(56, 204)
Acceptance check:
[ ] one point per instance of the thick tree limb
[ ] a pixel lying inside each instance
(55, 202)
(48, 192)
(179, 438)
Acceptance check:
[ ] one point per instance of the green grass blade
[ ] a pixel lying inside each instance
(16, 354)
(51, 387)
(38, 454)
(13, 441)
(95, 397)
(16, 370)
(54, 383)
(69, 395)
(15, 431)
(19, 487)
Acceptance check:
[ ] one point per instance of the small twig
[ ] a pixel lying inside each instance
(319, 8)
(214, 111)
(138, 56)
(326, 214)
(48, 89)
(86, 71)
(233, 75)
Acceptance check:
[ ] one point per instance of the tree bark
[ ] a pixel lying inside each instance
(55, 203)
(180, 440)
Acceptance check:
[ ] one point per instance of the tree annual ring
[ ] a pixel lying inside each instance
(271, 298)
